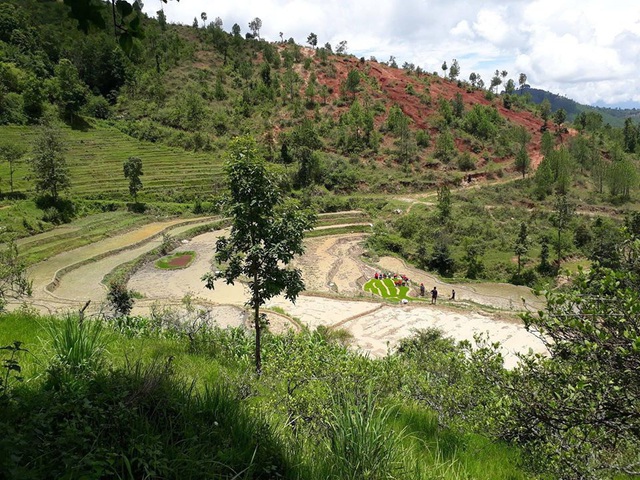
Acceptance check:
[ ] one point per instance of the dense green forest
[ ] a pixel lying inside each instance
(468, 182)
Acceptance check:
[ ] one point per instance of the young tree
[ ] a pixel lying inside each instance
(133, 171)
(544, 267)
(543, 179)
(559, 117)
(563, 212)
(444, 204)
(70, 91)
(473, 252)
(444, 69)
(13, 276)
(341, 49)
(545, 111)
(266, 234)
(406, 147)
(599, 170)
(441, 259)
(454, 70)
(630, 134)
(312, 40)
(352, 82)
(522, 80)
(547, 144)
(522, 245)
(203, 16)
(48, 164)
(12, 153)
(255, 25)
(445, 147)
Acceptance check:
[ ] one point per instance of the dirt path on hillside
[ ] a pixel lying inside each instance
(334, 272)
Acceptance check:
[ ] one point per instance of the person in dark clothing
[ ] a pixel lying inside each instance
(453, 294)
(422, 289)
(434, 295)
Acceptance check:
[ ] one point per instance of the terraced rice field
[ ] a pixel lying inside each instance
(95, 162)
(78, 233)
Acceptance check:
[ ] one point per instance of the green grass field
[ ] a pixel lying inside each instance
(95, 159)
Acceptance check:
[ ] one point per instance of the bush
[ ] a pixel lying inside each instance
(98, 107)
(119, 298)
(466, 162)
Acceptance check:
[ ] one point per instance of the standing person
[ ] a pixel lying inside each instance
(434, 295)
(453, 294)
(422, 289)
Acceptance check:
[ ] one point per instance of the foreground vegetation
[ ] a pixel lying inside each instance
(134, 397)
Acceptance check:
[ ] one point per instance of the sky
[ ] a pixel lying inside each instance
(586, 50)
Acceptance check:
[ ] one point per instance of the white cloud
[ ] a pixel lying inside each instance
(583, 49)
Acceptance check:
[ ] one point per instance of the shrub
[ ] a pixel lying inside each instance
(120, 298)
(466, 162)
(98, 107)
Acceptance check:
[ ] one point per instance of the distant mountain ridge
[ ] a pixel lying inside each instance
(613, 116)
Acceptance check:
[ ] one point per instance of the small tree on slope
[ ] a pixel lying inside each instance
(266, 234)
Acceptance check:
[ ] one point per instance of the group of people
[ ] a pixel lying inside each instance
(399, 280)
(434, 294)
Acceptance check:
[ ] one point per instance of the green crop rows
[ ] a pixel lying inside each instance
(387, 290)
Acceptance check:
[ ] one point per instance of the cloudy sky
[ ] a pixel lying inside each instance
(587, 50)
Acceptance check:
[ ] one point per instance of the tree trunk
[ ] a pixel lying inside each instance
(256, 322)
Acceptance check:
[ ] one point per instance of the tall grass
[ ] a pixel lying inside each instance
(361, 445)
(78, 348)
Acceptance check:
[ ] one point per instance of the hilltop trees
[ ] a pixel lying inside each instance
(312, 40)
(255, 25)
(454, 70)
(266, 234)
(522, 80)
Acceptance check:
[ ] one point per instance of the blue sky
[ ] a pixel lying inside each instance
(587, 50)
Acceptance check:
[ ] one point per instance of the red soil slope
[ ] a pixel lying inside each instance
(393, 90)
